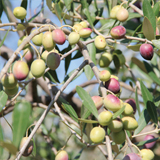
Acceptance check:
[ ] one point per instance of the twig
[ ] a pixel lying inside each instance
(109, 149)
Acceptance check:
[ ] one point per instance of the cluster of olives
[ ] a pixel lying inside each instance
(117, 126)
(81, 31)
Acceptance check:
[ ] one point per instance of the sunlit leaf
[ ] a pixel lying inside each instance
(3, 99)
(119, 112)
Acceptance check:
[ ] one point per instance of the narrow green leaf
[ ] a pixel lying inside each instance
(3, 99)
(156, 43)
(9, 146)
(20, 118)
(151, 108)
(156, 9)
(119, 112)
(1, 8)
(4, 38)
(67, 63)
(108, 25)
(69, 109)
(137, 102)
(84, 112)
(133, 15)
(139, 64)
(24, 4)
(32, 18)
(147, 26)
(87, 120)
(34, 148)
(134, 47)
(52, 76)
(148, 12)
(77, 55)
(142, 121)
(87, 101)
(49, 4)
(68, 4)
(79, 154)
(145, 142)
(151, 73)
(58, 11)
(1, 139)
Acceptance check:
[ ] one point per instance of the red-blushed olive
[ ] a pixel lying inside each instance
(100, 42)
(62, 155)
(77, 27)
(151, 144)
(116, 125)
(122, 14)
(28, 54)
(9, 81)
(118, 32)
(20, 42)
(38, 67)
(85, 32)
(118, 137)
(84, 24)
(113, 85)
(20, 70)
(128, 109)
(132, 102)
(73, 38)
(47, 41)
(11, 92)
(147, 154)
(37, 39)
(97, 101)
(114, 10)
(20, 12)
(97, 134)
(129, 123)
(105, 59)
(105, 118)
(146, 51)
(58, 36)
(44, 55)
(28, 149)
(104, 75)
(132, 156)
(53, 60)
(112, 102)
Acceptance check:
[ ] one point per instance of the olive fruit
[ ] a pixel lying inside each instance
(38, 68)
(118, 32)
(28, 149)
(112, 102)
(9, 81)
(146, 51)
(62, 155)
(37, 39)
(47, 41)
(20, 70)
(113, 85)
(44, 55)
(104, 75)
(105, 118)
(12, 92)
(53, 60)
(116, 125)
(114, 10)
(20, 27)
(58, 36)
(151, 144)
(28, 54)
(20, 42)
(85, 32)
(147, 154)
(73, 38)
(115, 77)
(20, 12)
(122, 14)
(132, 102)
(128, 109)
(105, 59)
(129, 123)
(78, 27)
(97, 134)
(100, 42)
(132, 156)
(97, 101)
(118, 137)
(84, 24)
